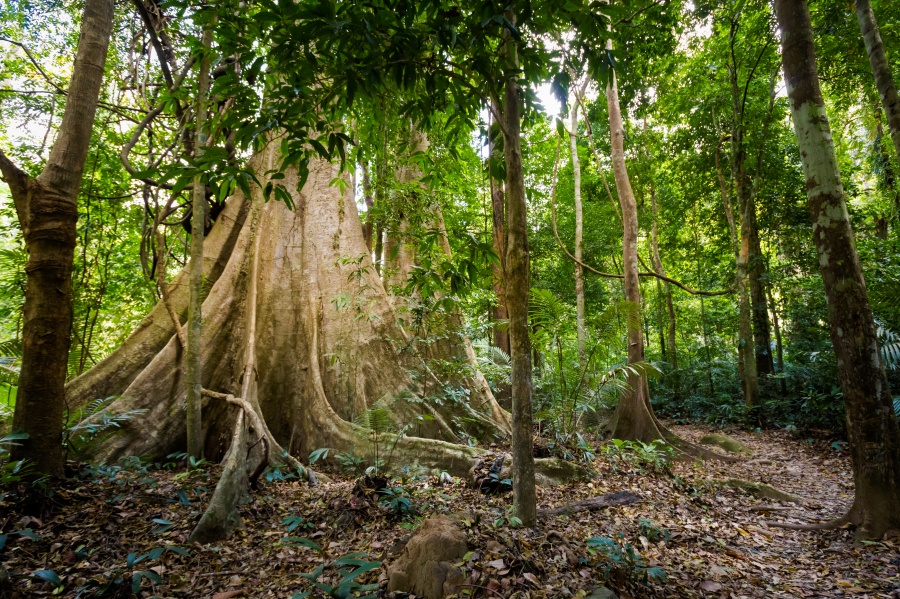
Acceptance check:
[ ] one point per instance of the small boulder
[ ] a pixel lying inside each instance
(427, 565)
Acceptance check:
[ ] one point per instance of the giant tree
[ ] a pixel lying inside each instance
(871, 422)
(46, 206)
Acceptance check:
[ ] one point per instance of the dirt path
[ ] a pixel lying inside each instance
(720, 544)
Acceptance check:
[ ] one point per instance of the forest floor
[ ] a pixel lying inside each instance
(114, 528)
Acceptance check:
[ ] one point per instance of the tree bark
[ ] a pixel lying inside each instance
(881, 69)
(498, 211)
(746, 359)
(670, 306)
(871, 422)
(633, 418)
(517, 278)
(192, 357)
(369, 225)
(47, 207)
(579, 245)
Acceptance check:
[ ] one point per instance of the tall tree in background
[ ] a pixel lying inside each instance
(47, 208)
(871, 422)
(581, 332)
(632, 418)
(881, 69)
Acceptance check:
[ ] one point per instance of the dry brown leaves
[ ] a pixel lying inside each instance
(720, 545)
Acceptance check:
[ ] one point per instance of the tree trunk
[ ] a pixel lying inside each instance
(670, 306)
(871, 422)
(369, 226)
(633, 418)
(48, 212)
(498, 210)
(746, 358)
(192, 358)
(517, 279)
(881, 69)
(579, 246)
(320, 365)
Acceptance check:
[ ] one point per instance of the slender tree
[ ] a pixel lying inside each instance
(871, 422)
(47, 208)
(192, 359)
(517, 279)
(881, 69)
(579, 242)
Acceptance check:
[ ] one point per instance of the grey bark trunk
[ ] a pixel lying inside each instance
(517, 278)
(192, 357)
(881, 69)
(579, 244)
(871, 422)
(47, 207)
(670, 306)
(633, 418)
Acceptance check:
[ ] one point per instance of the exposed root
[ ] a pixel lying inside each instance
(592, 504)
(761, 490)
(222, 516)
(830, 525)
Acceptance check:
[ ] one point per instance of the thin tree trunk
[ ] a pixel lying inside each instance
(670, 306)
(47, 207)
(498, 210)
(779, 348)
(632, 419)
(579, 246)
(369, 225)
(871, 422)
(881, 69)
(517, 277)
(193, 366)
(746, 358)
(498, 230)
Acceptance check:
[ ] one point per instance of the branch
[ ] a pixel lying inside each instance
(14, 177)
(648, 273)
(154, 39)
(36, 64)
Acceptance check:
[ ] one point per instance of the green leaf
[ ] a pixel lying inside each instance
(48, 576)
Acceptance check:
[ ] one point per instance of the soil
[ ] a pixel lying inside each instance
(131, 524)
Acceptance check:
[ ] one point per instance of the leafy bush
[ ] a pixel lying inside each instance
(396, 500)
(336, 578)
(622, 562)
(645, 457)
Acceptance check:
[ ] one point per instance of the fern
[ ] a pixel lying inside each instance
(890, 347)
(88, 424)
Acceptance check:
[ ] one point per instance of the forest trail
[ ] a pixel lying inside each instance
(719, 542)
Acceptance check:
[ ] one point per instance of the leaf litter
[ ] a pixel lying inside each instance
(121, 532)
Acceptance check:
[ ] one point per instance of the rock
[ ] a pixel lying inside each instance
(601, 593)
(426, 566)
(727, 443)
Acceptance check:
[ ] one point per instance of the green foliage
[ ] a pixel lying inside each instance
(652, 457)
(621, 562)
(127, 578)
(507, 517)
(336, 577)
(93, 422)
(653, 532)
(396, 500)
(11, 471)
